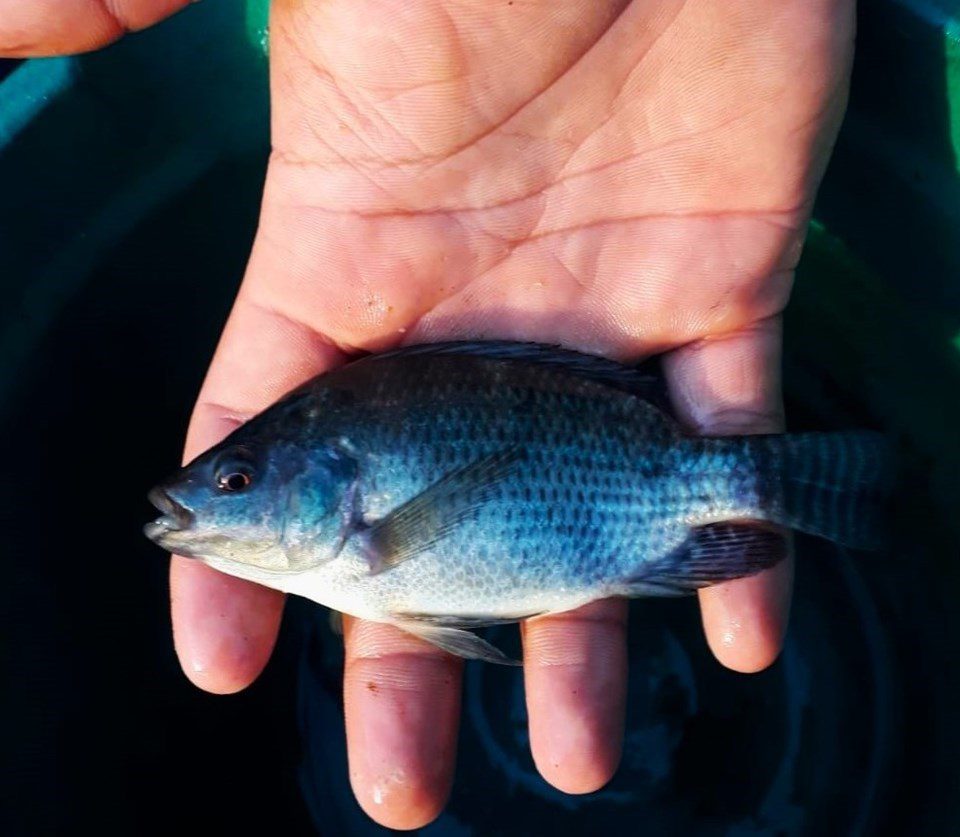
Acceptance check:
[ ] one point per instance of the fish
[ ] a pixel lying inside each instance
(451, 486)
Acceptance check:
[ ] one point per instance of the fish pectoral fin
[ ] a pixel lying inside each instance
(711, 554)
(425, 519)
(458, 642)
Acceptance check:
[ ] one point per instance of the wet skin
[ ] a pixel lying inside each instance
(627, 178)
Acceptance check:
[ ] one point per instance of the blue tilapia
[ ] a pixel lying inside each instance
(451, 486)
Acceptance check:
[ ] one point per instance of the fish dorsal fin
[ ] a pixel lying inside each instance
(599, 369)
(426, 518)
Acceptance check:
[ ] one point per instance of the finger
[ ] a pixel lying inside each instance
(726, 386)
(575, 670)
(402, 705)
(224, 627)
(55, 27)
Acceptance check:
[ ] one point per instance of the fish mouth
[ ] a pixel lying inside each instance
(175, 517)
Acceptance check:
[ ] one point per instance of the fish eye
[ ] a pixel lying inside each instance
(235, 480)
(234, 472)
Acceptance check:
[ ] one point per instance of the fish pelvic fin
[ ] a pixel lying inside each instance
(456, 641)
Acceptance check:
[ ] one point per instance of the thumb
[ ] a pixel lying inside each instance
(224, 627)
(55, 27)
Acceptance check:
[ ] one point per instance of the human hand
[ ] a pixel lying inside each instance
(624, 178)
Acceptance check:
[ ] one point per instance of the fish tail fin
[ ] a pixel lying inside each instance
(832, 485)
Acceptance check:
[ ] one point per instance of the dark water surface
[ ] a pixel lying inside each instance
(119, 275)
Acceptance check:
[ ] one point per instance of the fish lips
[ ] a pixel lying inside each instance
(176, 518)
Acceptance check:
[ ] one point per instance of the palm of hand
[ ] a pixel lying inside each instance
(627, 180)
(622, 177)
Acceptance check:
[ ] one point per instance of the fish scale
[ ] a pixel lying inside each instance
(440, 487)
(575, 432)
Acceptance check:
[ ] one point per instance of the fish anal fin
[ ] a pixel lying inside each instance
(712, 554)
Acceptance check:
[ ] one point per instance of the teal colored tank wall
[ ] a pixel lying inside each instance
(874, 326)
(93, 144)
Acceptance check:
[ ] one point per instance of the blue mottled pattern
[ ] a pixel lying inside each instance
(606, 483)
(602, 490)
